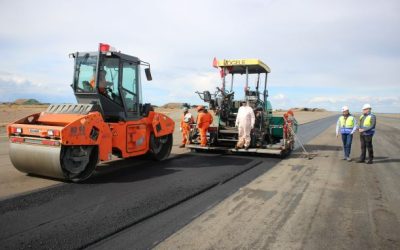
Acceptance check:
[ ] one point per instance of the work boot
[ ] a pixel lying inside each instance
(369, 162)
(182, 146)
(348, 159)
(360, 161)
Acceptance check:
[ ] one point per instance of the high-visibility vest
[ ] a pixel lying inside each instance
(186, 120)
(346, 125)
(367, 123)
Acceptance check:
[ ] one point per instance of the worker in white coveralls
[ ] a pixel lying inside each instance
(245, 122)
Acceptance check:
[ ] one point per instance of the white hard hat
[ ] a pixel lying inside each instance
(185, 109)
(366, 106)
(345, 108)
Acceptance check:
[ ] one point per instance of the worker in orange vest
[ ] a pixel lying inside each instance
(204, 120)
(186, 121)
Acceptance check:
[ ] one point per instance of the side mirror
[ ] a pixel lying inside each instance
(207, 96)
(148, 74)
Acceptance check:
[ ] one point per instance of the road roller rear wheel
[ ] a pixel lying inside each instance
(160, 147)
(78, 162)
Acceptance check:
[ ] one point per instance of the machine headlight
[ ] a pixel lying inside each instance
(15, 130)
(52, 133)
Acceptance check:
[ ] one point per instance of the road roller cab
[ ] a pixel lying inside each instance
(110, 80)
(68, 140)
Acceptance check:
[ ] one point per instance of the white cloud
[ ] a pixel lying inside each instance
(341, 45)
(278, 97)
(182, 88)
(13, 86)
(17, 79)
(379, 104)
(281, 100)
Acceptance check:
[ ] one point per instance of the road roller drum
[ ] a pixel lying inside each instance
(36, 159)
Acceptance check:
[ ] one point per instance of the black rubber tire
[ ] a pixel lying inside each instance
(89, 168)
(160, 147)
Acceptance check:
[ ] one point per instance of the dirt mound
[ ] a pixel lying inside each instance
(27, 102)
(176, 105)
(172, 105)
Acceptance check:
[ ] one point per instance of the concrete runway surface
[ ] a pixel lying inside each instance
(205, 201)
(323, 203)
(130, 204)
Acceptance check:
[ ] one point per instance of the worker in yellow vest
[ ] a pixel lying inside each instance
(346, 126)
(367, 131)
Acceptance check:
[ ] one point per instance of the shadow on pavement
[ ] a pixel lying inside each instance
(311, 147)
(385, 160)
(132, 170)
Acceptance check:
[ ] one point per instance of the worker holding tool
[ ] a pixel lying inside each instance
(367, 131)
(186, 121)
(346, 126)
(245, 122)
(204, 120)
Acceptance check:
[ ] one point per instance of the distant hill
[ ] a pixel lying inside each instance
(176, 105)
(27, 102)
(172, 105)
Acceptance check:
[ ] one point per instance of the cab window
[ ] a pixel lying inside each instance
(84, 80)
(129, 86)
(108, 79)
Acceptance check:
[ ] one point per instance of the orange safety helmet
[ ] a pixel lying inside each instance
(200, 107)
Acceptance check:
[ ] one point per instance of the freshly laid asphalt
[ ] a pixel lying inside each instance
(131, 203)
(308, 131)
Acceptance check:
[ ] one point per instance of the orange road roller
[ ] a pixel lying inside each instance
(67, 141)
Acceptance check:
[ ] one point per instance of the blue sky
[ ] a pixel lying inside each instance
(322, 53)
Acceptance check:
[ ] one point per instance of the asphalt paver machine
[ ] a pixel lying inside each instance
(270, 135)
